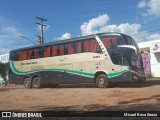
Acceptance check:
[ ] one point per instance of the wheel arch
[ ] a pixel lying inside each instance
(98, 73)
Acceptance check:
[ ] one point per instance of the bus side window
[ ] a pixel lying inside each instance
(41, 52)
(54, 51)
(86, 46)
(61, 50)
(106, 42)
(70, 48)
(113, 41)
(22, 55)
(47, 51)
(14, 55)
(94, 46)
(36, 53)
(29, 54)
(91, 45)
(33, 54)
(78, 47)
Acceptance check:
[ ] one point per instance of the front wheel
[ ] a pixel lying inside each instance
(36, 83)
(27, 82)
(102, 81)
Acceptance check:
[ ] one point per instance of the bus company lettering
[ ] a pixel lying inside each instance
(96, 56)
(29, 63)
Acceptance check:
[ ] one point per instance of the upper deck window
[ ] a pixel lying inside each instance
(110, 42)
(130, 41)
(91, 45)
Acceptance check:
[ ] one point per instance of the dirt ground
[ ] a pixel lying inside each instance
(82, 97)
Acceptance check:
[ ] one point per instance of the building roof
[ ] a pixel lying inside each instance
(147, 44)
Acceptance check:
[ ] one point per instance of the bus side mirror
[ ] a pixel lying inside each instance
(129, 46)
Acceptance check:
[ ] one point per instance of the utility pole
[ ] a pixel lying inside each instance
(41, 38)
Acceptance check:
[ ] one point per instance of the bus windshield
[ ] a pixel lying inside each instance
(124, 57)
(135, 59)
(119, 56)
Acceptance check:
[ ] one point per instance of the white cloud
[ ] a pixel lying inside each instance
(64, 36)
(125, 28)
(99, 24)
(142, 4)
(154, 7)
(9, 39)
(90, 26)
(11, 31)
(154, 36)
(151, 7)
(132, 29)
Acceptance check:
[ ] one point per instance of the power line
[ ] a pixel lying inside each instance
(27, 39)
(41, 37)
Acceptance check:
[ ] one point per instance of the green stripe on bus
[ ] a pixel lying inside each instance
(110, 75)
(115, 74)
(51, 69)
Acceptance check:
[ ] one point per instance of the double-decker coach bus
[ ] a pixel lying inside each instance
(104, 59)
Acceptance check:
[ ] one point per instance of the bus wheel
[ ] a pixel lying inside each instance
(27, 83)
(102, 81)
(36, 83)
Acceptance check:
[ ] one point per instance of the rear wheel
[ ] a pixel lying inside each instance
(102, 81)
(27, 83)
(36, 83)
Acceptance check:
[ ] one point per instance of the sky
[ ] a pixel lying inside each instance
(73, 18)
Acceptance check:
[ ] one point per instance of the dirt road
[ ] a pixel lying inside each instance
(133, 96)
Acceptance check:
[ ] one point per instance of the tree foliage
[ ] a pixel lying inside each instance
(3, 69)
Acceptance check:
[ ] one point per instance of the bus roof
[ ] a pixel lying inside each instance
(70, 40)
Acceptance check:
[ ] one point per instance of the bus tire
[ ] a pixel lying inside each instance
(102, 81)
(36, 82)
(27, 82)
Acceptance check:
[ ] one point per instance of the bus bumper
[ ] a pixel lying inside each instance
(128, 76)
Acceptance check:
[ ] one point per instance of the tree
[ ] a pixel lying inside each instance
(3, 69)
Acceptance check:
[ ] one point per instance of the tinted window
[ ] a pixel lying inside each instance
(41, 52)
(119, 56)
(130, 41)
(22, 55)
(110, 42)
(91, 45)
(58, 50)
(70, 48)
(30, 54)
(54, 51)
(14, 55)
(78, 46)
(47, 51)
